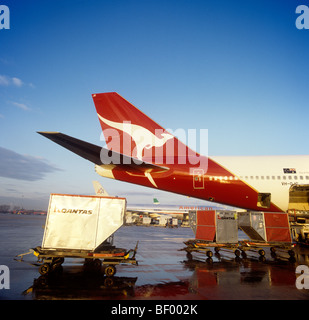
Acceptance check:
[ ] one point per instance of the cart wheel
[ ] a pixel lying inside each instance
(56, 268)
(217, 249)
(273, 250)
(41, 282)
(44, 269)
(209, 260)
(261, 252)
(108, 282)
(237, 253)
(97, 264)
(262, 259)
(291, 253)
(244, 254)
(189, 255)
(87, 262)
(209, 254)
(110, 271)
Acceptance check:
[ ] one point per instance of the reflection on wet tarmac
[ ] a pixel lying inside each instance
(248, 278)
(78, 284)
(223, 273)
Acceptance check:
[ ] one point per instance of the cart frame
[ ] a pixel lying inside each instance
(239, 248)
(51, 259)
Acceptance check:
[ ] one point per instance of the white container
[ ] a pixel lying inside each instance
(81, 222)
(163, 221)
(146, 220)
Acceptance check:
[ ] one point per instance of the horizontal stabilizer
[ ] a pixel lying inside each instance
(84, 149)
(99, 155)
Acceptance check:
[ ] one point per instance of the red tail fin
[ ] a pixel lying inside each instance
(129, 131)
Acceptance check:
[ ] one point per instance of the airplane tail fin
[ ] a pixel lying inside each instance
(129, 131)
(99, 190)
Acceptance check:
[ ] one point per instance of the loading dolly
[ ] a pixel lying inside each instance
(50, 260)
(240, 249)
(219, 229)
(259, 246)
(201, 246)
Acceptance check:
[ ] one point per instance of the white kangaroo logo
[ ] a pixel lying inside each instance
(142, 137)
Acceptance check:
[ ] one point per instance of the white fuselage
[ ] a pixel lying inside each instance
(266, 173)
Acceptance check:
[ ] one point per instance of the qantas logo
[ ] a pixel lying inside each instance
(145, 139)
(142, 137)
(66, 210)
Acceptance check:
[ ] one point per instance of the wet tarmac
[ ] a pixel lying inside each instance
(163, 272)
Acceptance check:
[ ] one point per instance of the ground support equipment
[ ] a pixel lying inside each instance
(205, 247)
(259, 246)
(240, 249)
(50, 260)
(219, 229)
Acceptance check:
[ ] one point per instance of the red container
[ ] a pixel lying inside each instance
(277, 227)
(206, 225)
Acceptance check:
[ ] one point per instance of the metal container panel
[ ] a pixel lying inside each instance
(203, 224)
(226, 227)
(258, 224)
(81, 222)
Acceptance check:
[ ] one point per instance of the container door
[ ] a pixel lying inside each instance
(226, 227)
(205, 225)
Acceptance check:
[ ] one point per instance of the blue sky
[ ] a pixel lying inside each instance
(236, 68)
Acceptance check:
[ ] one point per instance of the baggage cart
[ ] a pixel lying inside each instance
(83, 227)
(265, 230)
(51, 260)
(218, 229)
